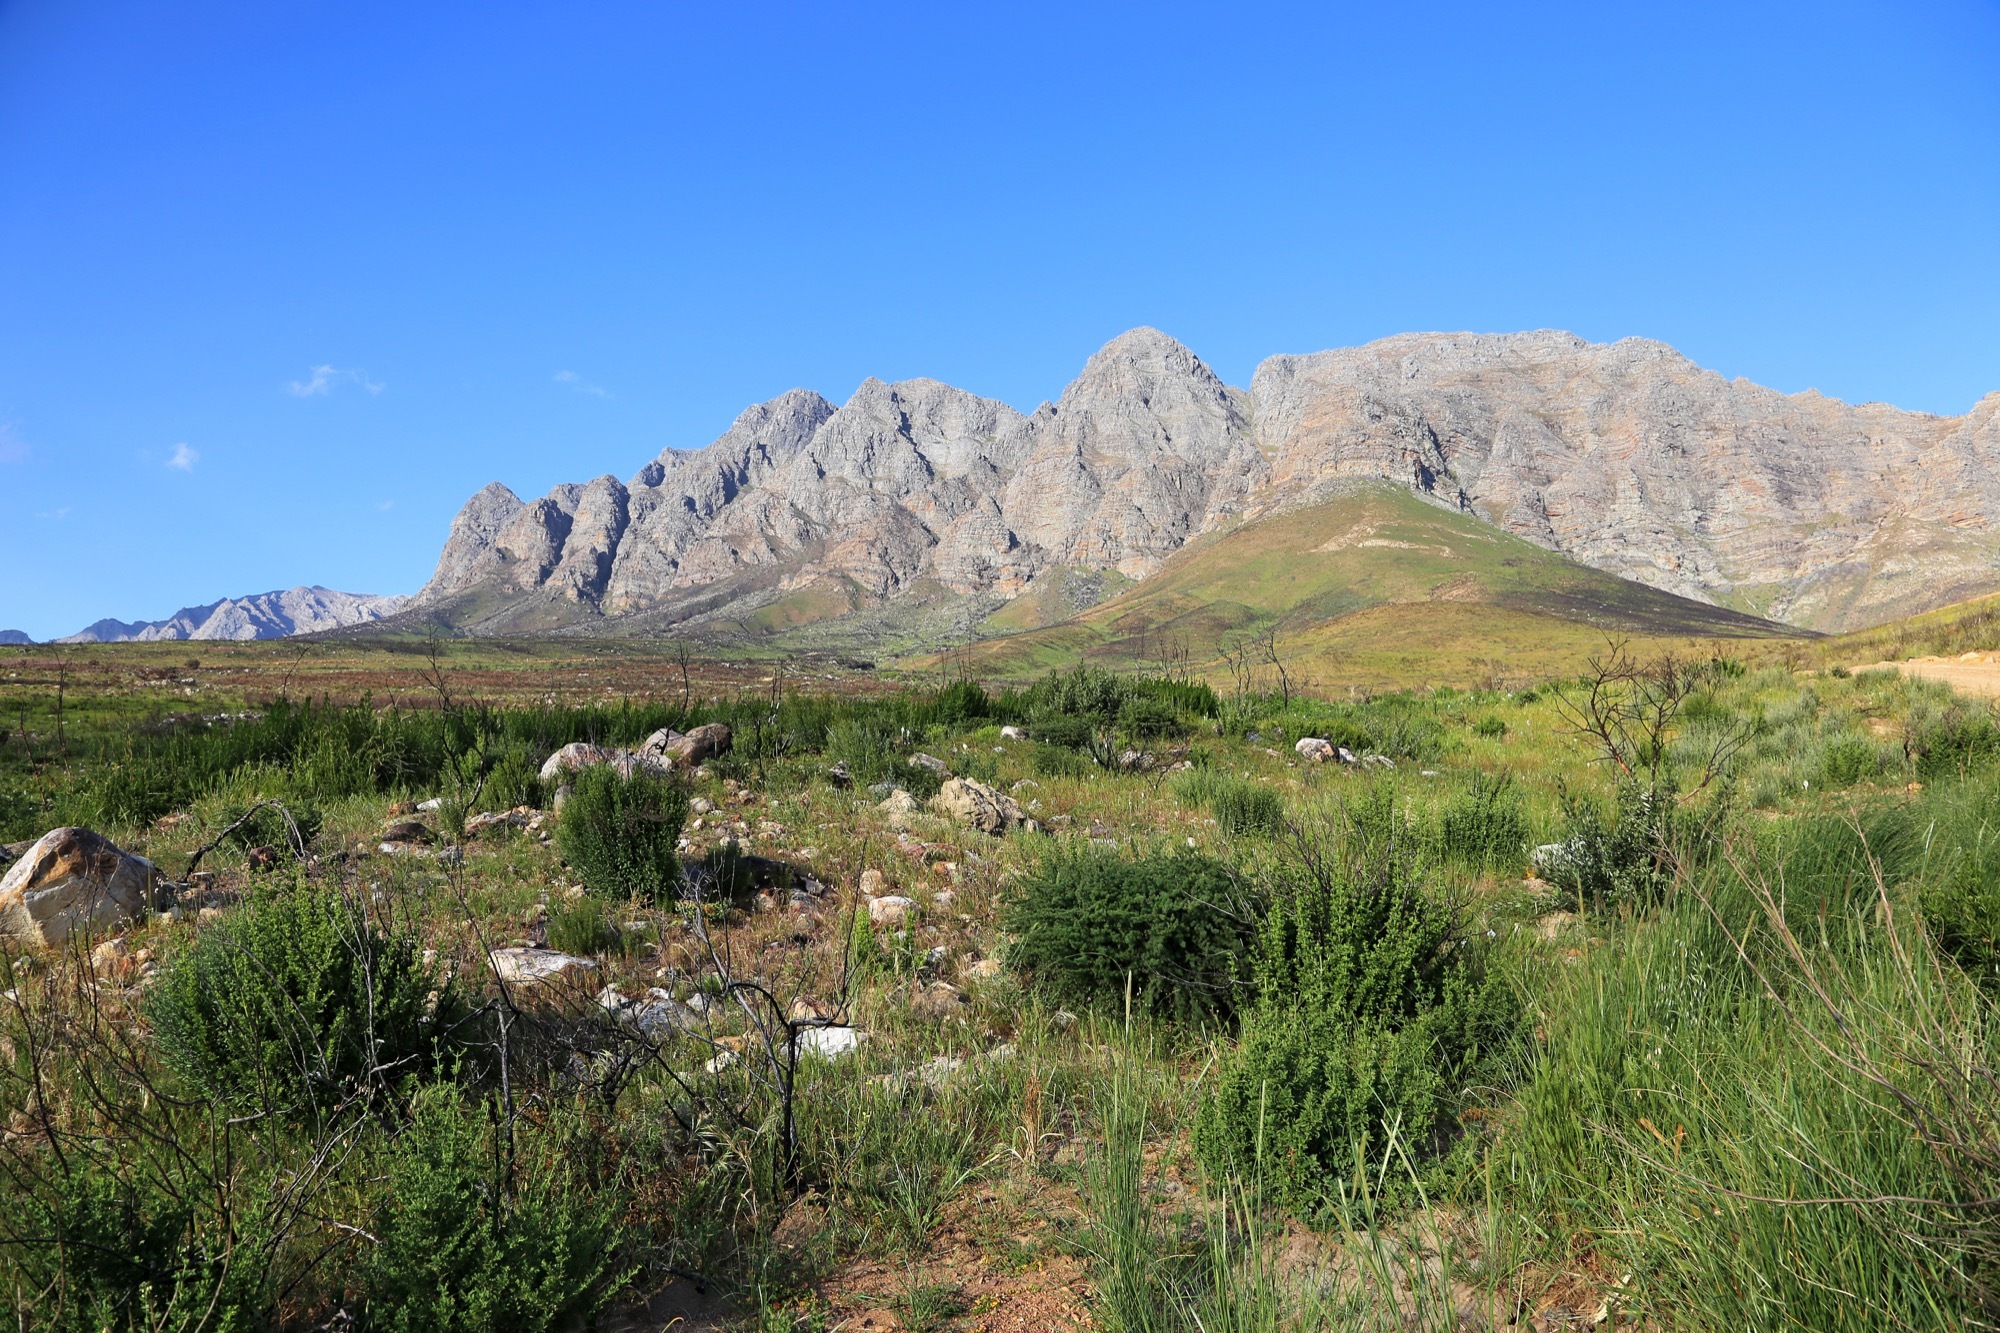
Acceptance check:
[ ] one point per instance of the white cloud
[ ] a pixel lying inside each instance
(58, 515)
(569, 379)
(13, 449)
(184, 458)
(325, 379)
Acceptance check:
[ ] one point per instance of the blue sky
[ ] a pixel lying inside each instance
(281, 283)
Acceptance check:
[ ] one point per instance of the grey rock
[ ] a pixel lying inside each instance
(72, 880)
(264, 615)
(1626, 456)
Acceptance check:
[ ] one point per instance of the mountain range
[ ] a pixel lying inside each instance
(266, 615)
(919, 502)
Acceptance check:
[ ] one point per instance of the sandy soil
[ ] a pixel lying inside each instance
(1968, 673)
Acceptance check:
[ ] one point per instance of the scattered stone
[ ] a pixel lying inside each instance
(1013, 734)
(873, 883)
(931, 762)
(938, 999)
(574, 757)
(520, 817)
(434, 803)
(839, 776)
(891, 910)
(1062, 1020)
(1345, 755)
(701, 805)
(561, 798)
(408, 830)
(1026, 784)
(539, 967)
(976, 805)
(986, 969)
(830, 1043)
(709, 741)
(1377, 761)
(400, 808)
(899, 805)
(110, 958)
(1314, 748)
(1132, 761)
(70, 880)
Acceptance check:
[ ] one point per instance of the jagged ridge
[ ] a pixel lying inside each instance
(1626, 456)
(264, 615)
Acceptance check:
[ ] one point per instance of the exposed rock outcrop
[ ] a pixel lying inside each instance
(265, 615)
(72, 881)
(1626, 456)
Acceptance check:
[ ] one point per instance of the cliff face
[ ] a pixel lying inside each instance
(1628, 457)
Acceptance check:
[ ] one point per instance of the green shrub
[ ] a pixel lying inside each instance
(619, 834)
(1147, 719)
(1622, 859)
(581, 928)
(462, 1249)
(962, 701)
(1490, 727)
(1179, 926)
(1239, 805)
(1064, 730)
(267, 826)
(1953, 742)
(1247, 807)
(1373, 1012)
(112, 1252)
(295, 1004)
(1053, 761)
(1483, 826)
(1847, 760)
(866, 748)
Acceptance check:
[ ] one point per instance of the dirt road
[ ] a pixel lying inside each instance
(1968, 673)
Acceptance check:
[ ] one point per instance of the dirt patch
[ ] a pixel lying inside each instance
(1969, 673)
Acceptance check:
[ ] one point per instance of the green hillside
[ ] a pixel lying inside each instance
(1377, 585)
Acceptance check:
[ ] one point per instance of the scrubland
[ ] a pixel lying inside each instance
(1659, 997)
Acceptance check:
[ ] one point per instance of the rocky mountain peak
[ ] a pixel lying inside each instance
(1624, 455)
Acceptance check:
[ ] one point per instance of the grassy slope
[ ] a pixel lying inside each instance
(1377, 586)
(1960, 627)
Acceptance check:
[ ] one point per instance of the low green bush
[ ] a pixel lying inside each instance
(461, 1248)
(1178, 927)
(1847, 760)
(1053, 761)
(104, 1251)
(1490, 727)
(1239, 805)
(1147, 719)
(297, 1004)
(1483, 826)
(619, 834)
(581, 928)
(1374, 1012)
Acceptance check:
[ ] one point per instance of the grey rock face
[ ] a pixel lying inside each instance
(267, 615)
(14, 637)
(1626, 456)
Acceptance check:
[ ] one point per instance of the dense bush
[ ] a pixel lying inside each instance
(462, 1249)
(1622, 858)
(1146, 719)
(297, 1004)
(1953, 741)
(619, 834)
(1847, 760)
(112, 1252)
(1374, 1011)
(1178, 927)
(1483, 826)
(1054, 761)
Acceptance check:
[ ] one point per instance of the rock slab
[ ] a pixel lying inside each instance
(72, 881)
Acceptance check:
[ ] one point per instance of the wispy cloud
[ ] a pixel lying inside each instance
(55, 515)
(386, 506)
(325, 379)
(569, 379)
(13, 449)
(184, 458)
